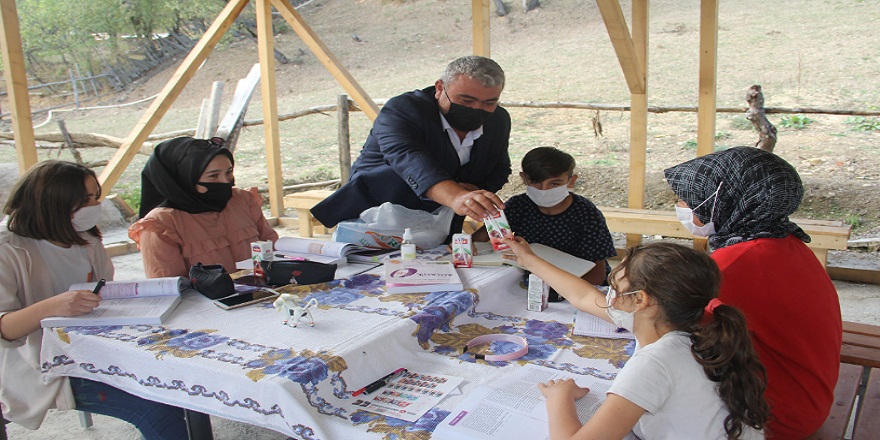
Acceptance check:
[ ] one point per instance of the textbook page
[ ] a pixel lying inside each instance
(147, 302)
(586, 324)
(514, 407)
(316, 247)
(167, 286)
(563, 260)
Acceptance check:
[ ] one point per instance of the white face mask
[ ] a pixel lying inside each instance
(624, 320)
(686, 216)
(86, 218)
(547, 198)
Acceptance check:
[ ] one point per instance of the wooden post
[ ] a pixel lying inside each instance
(708, 76)
(638, 141)
(344, 139)
(16, 86)
(202, 123)
(75, 91)
(481, 34)
(68, 141)
(231, 125)
(214, 109)
(265, 50)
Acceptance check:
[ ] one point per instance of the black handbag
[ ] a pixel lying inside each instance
(279, 273)
(212, 281)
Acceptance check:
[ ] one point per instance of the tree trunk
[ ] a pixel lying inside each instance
(756, 114)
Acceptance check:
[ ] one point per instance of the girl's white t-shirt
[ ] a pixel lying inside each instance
(679, 400)
(66, 266)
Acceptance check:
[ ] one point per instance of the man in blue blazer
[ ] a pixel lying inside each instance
(442, 145)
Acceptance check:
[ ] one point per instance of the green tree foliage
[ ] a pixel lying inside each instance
(57, 34)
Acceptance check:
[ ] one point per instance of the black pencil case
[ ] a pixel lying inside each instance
(279, 273)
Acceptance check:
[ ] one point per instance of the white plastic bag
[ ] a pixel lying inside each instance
(382, 226)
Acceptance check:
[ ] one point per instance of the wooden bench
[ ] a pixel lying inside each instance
(825, 235)
(303, 202)
(857, 394)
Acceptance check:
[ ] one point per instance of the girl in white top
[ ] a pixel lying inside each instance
(695, 375)
(48, 241)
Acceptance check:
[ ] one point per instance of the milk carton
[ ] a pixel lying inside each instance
(498, 229)
(539, 291)
(462, 250)
(260, 251)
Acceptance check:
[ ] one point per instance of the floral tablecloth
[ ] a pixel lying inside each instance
(245, 365)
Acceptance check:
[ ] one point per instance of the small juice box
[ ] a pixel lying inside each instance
(462, 250)
(260, 251)
(539, 291)
(498, 229)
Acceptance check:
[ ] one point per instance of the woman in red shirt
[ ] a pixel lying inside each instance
(741, 200)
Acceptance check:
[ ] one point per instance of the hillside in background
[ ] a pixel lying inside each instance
(803, 53)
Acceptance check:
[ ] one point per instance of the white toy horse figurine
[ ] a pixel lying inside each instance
(293, 311)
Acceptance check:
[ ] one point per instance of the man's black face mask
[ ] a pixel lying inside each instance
(463, 117)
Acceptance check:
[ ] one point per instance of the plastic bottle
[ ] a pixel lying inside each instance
(407, 248)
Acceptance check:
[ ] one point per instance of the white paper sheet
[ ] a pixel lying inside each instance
(514, 407)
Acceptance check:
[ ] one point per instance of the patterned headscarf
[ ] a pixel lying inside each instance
(760, 191)
(170, 174)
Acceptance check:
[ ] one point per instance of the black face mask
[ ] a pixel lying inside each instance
(465, 118)
(218, 194)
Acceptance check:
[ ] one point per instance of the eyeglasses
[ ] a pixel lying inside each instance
(612, 295)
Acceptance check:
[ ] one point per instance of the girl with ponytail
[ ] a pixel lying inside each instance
(694, 374)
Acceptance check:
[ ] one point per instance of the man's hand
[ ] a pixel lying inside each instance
(465, 199)
(477, 204)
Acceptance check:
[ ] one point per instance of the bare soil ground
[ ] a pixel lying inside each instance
(804, 54)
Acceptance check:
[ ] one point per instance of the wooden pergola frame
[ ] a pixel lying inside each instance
(631, 49)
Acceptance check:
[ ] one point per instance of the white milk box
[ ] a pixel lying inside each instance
(462, 250)
(539, 291)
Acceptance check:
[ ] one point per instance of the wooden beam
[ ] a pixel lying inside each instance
(343, 77)
(166, 97)
(16, 86)
(708, 76)
(480, 17)
(615, 22)
(638, 117)
(266, 52)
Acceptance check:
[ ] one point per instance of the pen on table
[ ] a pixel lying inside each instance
(379, 383)
(287, 257)
(99, 286)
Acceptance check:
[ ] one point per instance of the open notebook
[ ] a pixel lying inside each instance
(565, 261)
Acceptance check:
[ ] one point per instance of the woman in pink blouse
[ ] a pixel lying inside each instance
(190, 212)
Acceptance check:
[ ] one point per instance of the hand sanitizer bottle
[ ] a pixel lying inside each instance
(407, 248)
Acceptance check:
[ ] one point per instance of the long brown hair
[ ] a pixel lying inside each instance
(683, 281)
(43, 199)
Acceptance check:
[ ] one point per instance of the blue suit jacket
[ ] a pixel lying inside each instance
(408, 152)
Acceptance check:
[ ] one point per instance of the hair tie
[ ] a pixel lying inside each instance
(715, 302)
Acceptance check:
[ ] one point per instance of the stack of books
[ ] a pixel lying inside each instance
(415, 276)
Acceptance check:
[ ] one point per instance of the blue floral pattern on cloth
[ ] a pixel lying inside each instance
(444, 323)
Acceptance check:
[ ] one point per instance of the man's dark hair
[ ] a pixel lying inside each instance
(42, 201)
(542, 163)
